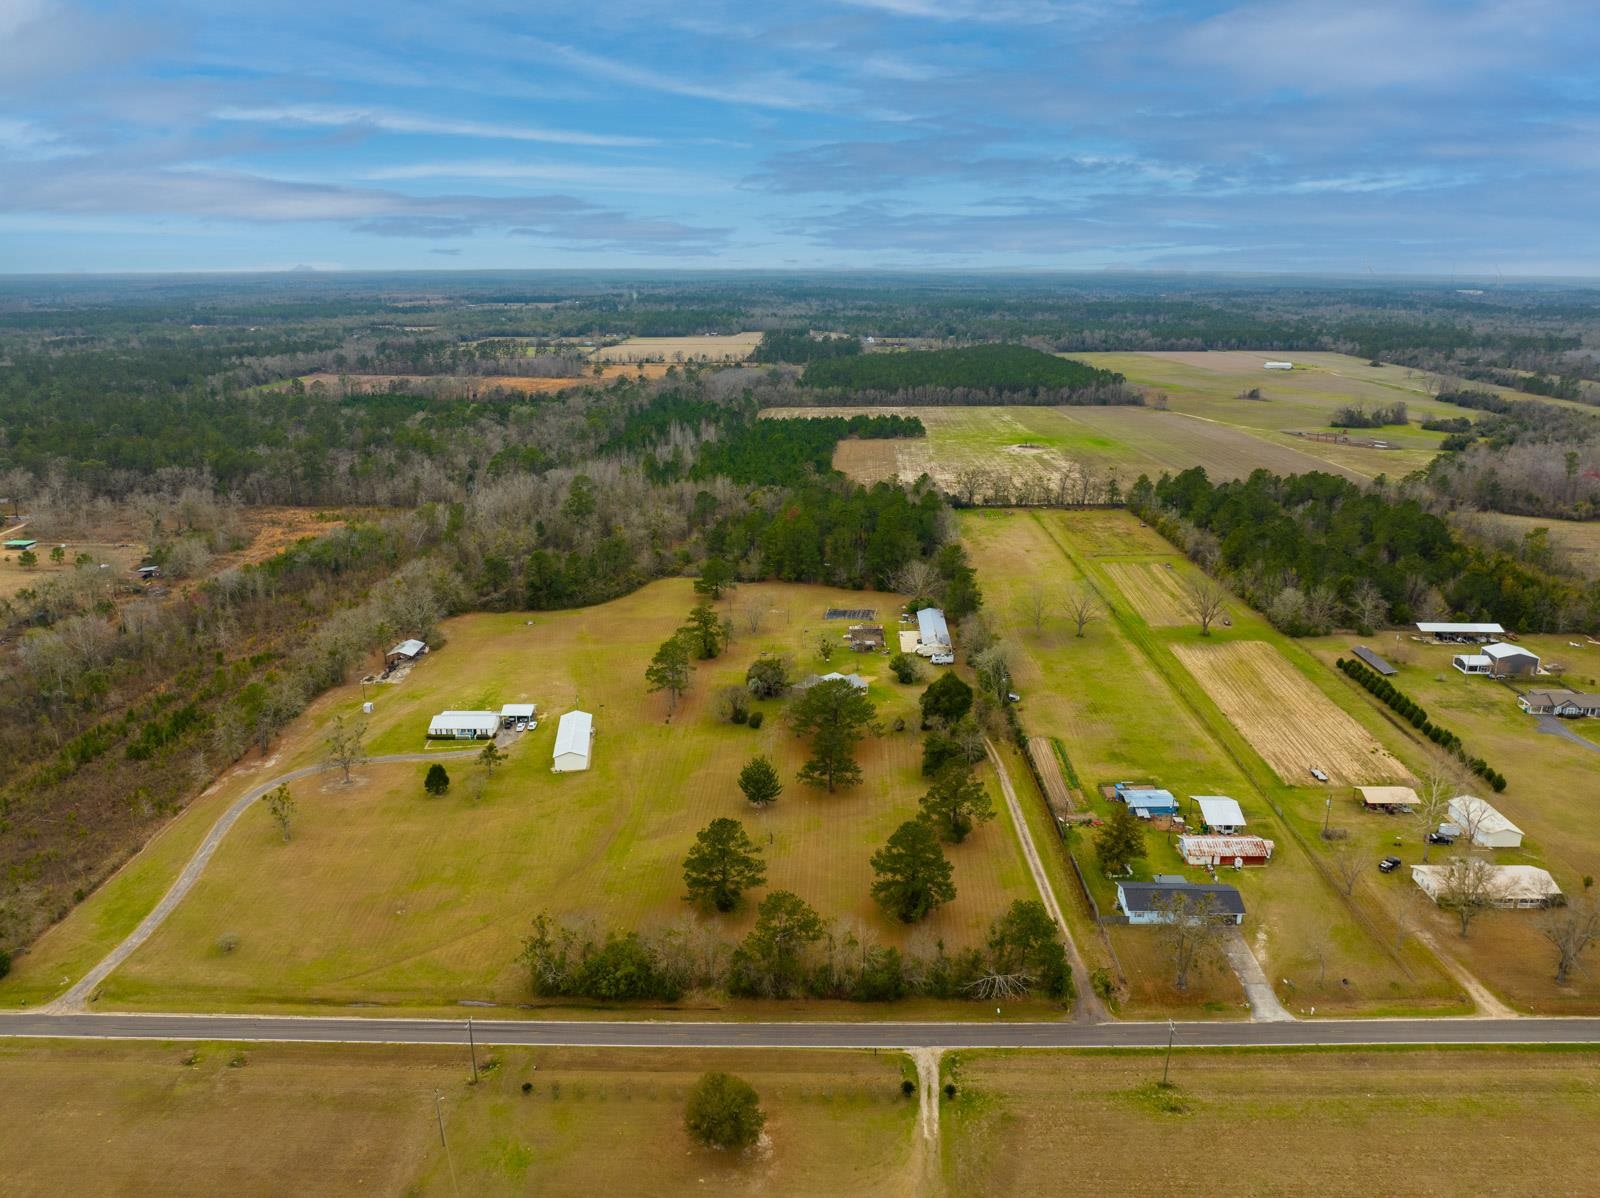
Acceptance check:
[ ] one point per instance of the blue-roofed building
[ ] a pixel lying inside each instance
(1146, 801)
(933, 637)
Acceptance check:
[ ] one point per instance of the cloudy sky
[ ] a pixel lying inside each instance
(1410, 136)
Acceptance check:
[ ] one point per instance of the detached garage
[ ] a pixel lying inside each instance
(574, 736)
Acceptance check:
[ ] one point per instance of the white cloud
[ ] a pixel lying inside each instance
(772, 90)
(337, 116)
(575, 174)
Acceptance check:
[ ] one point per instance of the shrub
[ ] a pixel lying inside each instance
(5, 962)
(527, 1087)
(908, 1087)
(437, 780)
(756, 719)
(227, 942)
(723, 1111)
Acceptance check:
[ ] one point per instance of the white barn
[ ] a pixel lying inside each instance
(574, 737)
(464, 725)
(1484, 824)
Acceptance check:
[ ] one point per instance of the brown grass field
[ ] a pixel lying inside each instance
(1339, 1125)
(475, 384)
(1155, 591)
(1288, 721)
(128, 1118)
(122, 557)
(735, 347)
(1577, 540)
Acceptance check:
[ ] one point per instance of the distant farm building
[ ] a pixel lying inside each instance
(866, 638)
(1569, 704)
(1461, 634)
(1484, 824)
(1373, 660)
(20, 544)
(512, 714)
(464, 725)
(406, 651)
(146, 573)
(1152, 902)
(1220, 852)
(933, 637)
(574, 738)
(1391, 800)
(1277, 366)
(1220, 814)
(1145, 801)
(1509, 886)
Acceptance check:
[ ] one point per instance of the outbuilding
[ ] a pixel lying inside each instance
(1473, 663)
(1510, 887)
(1464, 634)
(866, 638)
(513, 714)
(1484, 824)
(1373, 660)
(1391, 800)
(1506, 661)
(574, 738)
(1153, 902)
(406, 651)
(811, 680)
(1277, 366)
(933, 637)
(1220, 814)
(1219, 852)
(1145, 801)
(20, 544)
(464, 725)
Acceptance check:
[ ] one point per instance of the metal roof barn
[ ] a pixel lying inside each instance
(574, 735)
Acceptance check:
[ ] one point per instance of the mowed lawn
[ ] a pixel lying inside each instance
(387, 896)
(270, 1119)
(1125, 709)
(1344, 1124)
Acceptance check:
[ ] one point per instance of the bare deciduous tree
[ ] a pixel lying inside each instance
(1034, 603)
(1205, 598)
(1346, 865)
(1571, 929)
(1083, 608)
(1434, 792)
(280, 803)
(1368, 608)
(1466, 889)
(344, 745)
(1190, 932)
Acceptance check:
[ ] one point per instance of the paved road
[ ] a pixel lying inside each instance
(1087, 1008)
(1555, 726)
(662, 1034)
(79, 994)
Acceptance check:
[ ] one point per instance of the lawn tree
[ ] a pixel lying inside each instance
(1035, 602)
(1466, 889)
(836, 716)
(913, 874)
(733, 704)
(905, 668)
(1083, 608)
(58, 555)
(1346, 864)
(1571, 930)
(1121, 842)
(722, 865)
(826, 646)
(27, 559)
(491, 757)
(344, 751)
(759, 782)
(1025, 951)
(993, 672)
(1190, 931)
(770, 675)
(280, 805)
(956, 802)
(947, 698)
(1204, 598)
(723, 1112)
(669, 671)
(1434, 792)
(704, 634)
(716, 576)
(771, 959)
(437, 780)
(753, 612)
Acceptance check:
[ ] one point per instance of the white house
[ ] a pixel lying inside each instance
(464, 725)
(1220, 814)
(1487, 827)
(1510, 886)
(1152, 902)
(574, 736)
(933, 637)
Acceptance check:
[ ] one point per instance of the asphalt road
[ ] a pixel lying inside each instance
(662, 1034)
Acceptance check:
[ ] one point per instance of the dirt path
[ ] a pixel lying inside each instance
(1264, 1004)
(1489, 1007)
(82, 991)
(1088, 1008)
(928, 1167)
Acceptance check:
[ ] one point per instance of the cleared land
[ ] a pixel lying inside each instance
(734, 347)
(1342, 1125)
(1154, 590)
(1291, 723)
(387, 896)
(473, 384)
(1576, 540)
(125, 1118)
(14, 576)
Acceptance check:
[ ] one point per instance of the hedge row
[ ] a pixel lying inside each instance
(1410, 710)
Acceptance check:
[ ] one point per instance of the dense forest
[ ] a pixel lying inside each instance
(797, 347)
(1014, 371)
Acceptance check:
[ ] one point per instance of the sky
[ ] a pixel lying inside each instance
(1447, 137)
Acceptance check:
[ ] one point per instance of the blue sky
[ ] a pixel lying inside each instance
(1414, 136)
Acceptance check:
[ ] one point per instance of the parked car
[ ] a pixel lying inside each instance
(1440, 838)
(1389, 864)
(1014, 697)
(1318, 774)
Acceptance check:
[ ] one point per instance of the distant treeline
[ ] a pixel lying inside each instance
(1525, 457)
(1357, 416)
(1005, 369)
(798, 347)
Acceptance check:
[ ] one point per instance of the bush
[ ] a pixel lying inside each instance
(724, 1112)
(527, 1087)
(437, 780)
(906, 668)
(228, 942)
(908, 1087)
(756, 718)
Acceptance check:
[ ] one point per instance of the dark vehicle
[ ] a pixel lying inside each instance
(1389, 864)
(1440, 838)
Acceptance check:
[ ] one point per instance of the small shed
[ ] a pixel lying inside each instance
(1511, 887)
(513, 713)
(574, 739)
(20, 544)
(1391, 800)
(1150, 902)
(1277, 365)
(406, 651)
(1145, 801)
(146, 573)
(1219, 814)
(1510, 660)
(1484, 823)
(1220, 852)
(464, 725)
(1469, 634)
(811, 680)
(1373, 660)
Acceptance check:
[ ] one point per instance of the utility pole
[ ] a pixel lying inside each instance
(1166, 1070)
(1327, 804)
(472, 1047)
(438, 1113)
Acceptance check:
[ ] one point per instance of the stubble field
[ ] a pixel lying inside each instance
(1154, 590)
(734, 347)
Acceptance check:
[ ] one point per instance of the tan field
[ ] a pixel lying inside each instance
(477, 384)
(1154, 590)
(734, 347)
(1291, 723)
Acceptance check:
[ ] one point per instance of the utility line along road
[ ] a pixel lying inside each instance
(356, 1030)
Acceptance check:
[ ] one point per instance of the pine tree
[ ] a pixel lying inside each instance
(956, 802)
(722, 865)
(913, 873)
(835, 715)
(759, 782)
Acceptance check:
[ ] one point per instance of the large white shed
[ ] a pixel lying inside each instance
(1484, 824)
(574, 737)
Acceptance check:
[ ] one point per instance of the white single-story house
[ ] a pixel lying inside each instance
(1473, 663)
(574, 738)
(464, 725)
(1487, 827)
(1513, 886)
(1474, 634)
(1507, 660)
(1149, 902)
(1389, 799)
(1217, 852)
(933, 637)
(1559, 702)
(1220, 814)
(407, 651)
(510, 713)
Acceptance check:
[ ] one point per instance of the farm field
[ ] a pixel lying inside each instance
(474, 384)
(1154, 591)
(1340, 1124)
(385, 896)
(1577, 540)
(735, 347)
(1125, 709)
(1288, 721)
(359, 1119)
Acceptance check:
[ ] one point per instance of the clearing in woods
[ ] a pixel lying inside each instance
(734, 347)
(1154, 590)
(1286, 719)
